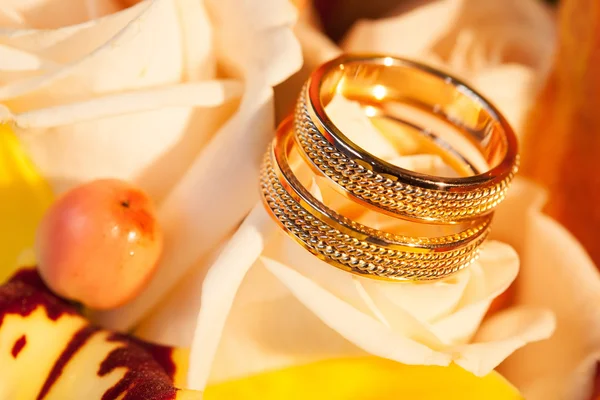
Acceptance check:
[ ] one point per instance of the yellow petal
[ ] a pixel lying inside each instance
(364, 379)
(24, 196)
(49, 351)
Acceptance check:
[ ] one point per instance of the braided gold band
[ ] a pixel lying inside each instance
(382, 82)
(385, 87)
(349, 245)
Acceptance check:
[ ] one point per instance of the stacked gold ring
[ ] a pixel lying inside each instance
(390, 188)
(381, 82)
(350, 245)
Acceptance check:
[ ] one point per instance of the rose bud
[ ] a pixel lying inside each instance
(99, 243)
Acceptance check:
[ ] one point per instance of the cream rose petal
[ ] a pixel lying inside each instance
(491, 275)
(13, 60)
(219, 290)
(127, 42)
(48, 14)
(241, 339)
(269, 329)
(201, 94)
(427, 302)
(465, 34)
(411, 34)
(199, 61)
(118, 52)
(81, 39)
(316, 49)
(502, 335)
(509, 87)
(256, 36)
(194, 227)
(173, 320)
(523, 200)
(153, 161)
(355, 326)
(402, 321)
(479, 358)
(502, 266)
(356, 126)
(407, 307)
(256, 329)
(581, 381)
(491, 281)
(558, 274)
(10, 17)
(286, 251)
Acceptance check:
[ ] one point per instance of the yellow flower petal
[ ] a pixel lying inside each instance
(24, 196)
(48, 351)
(364, 379)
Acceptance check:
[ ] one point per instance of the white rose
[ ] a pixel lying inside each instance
(292, 308)
(175, 95)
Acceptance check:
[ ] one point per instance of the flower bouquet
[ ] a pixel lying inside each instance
(140, 262)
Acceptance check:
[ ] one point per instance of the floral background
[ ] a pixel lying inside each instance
(182, 97)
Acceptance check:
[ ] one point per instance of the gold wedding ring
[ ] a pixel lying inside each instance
(383, 82)
(350, 245)
(383, 85)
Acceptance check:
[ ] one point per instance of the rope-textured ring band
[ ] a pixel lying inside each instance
(352, 246)
(382, 83)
